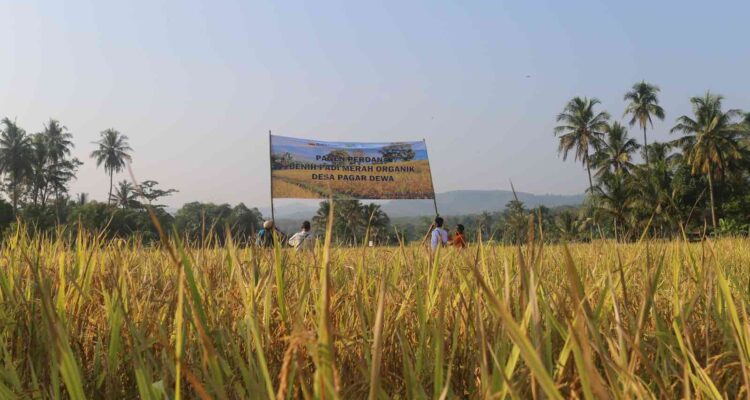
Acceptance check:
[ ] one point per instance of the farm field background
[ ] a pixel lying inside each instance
(96, 318)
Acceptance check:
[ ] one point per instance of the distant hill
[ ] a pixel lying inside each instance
(296, 211)
(462, 202)
(457, 202)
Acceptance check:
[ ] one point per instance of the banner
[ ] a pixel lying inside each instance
(310, 169)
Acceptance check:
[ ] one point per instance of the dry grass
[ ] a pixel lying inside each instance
(118, 320)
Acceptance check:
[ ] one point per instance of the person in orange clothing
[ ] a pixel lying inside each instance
(459, 239)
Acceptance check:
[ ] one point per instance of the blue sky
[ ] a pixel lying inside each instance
(198, 85)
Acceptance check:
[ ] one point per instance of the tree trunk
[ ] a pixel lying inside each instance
(354, 234)
(711, 195)
(109, 199)
(591, 193)
(15, 197)
(645, 146)
(57, 206)
(615, 223)
(588, 170)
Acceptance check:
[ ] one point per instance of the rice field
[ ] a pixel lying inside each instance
(85, 317)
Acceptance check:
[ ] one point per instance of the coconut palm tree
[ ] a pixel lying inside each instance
(484, 222)
(580, 128)
(643, 106)
(59, 140)
(354, 221)
(657, 201)
(614, 153)
(125, 196)
(39, 172)
(516, 218)
(711, 141)
(615, 199)
(112, 153)
(569, 225)
(59, 144)
(82, 199)
(15, 157)
(59, 175)
(376, 220)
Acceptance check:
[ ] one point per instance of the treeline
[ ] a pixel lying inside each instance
(696, 183)
(197, 222)
(510, 226)
(354, 221)
(37, 169)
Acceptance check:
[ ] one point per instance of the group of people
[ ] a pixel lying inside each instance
(440, 237)
(302, 240)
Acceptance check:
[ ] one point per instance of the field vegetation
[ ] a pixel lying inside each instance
(86, 317)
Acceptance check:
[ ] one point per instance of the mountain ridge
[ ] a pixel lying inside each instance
(454, 202)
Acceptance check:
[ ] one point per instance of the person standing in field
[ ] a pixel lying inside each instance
(439, 235)
(266, 234)
(303, 239)
(459, 239)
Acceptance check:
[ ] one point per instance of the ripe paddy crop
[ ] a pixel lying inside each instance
(88, 317)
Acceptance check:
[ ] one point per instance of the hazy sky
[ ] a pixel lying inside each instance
(197, 85)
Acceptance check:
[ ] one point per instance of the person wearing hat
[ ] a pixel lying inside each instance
(265, 235)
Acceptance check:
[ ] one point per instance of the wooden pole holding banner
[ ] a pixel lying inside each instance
(270, 163)
(432, 181)
(434, 197)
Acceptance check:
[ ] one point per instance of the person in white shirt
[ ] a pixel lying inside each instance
(439, 235)
(303, 239)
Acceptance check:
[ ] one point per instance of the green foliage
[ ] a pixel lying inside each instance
(117, 222)
(150, 191)
(6, 215)
(208, 221)
(732, 228)
(112, 152)
(712, 141)
(699, 177)
(352, 220)
(615, 152)
(643, 106)
(685, 185)
(565, 223)
(15, 158)
(580, 129)
(125, 196)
